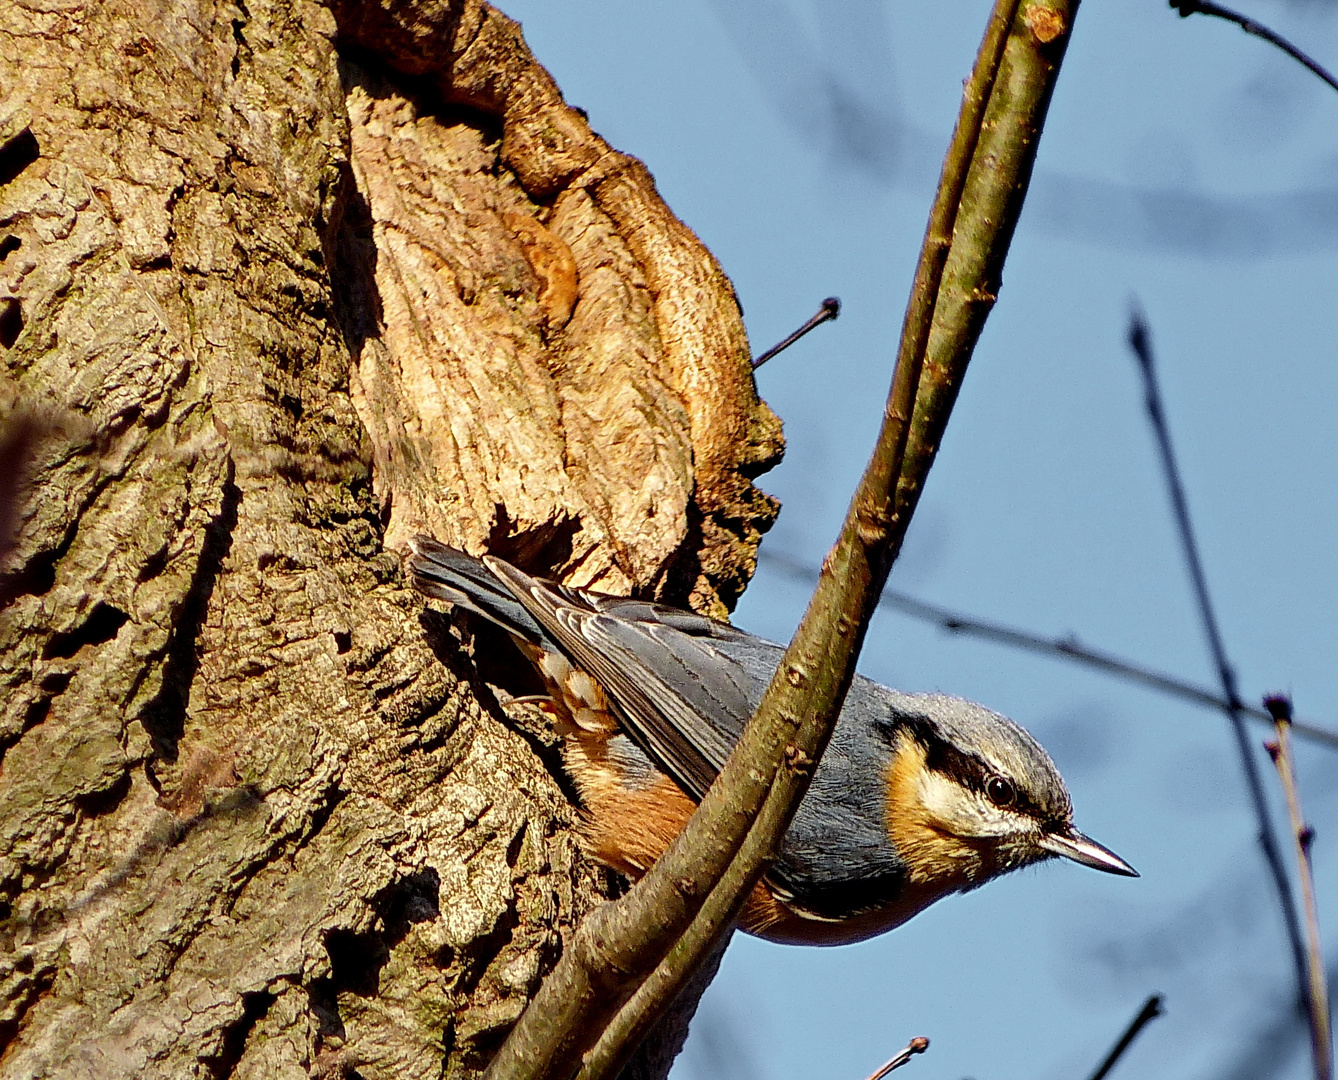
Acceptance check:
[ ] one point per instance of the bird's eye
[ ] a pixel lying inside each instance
(1001, 792)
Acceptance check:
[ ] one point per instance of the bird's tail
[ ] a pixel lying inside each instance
(446, 574)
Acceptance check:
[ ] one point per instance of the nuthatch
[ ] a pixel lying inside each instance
(916, 797)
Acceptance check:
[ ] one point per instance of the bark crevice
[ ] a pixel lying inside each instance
(164, 715)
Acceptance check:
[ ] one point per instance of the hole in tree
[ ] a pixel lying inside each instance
(11, 321)
(17, 154)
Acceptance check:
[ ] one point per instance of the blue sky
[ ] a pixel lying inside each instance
(1188, 167)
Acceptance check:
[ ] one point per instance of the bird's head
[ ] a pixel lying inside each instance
(971, 795)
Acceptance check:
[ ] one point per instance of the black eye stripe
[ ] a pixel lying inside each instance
(966, 769)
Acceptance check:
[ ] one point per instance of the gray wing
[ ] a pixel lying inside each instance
(443, 572)
(683, 685)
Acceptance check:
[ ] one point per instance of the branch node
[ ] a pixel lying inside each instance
(1279, 707)
(917, 1045)
(1045, 24)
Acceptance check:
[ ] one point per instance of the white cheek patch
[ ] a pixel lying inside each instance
(939, 795)
(965, 813)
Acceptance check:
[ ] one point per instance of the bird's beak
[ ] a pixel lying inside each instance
(1073, 845)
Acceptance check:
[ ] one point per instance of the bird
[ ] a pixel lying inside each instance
(917, 796)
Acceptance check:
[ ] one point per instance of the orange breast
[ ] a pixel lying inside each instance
(768, 917)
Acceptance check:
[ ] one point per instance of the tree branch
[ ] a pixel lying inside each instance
(1066, 648)
(1150, 1011)
(999, 124)
(1140, 342)
(828, 312)
(917, 1045)
(1321, 1038)
(980, 195)
(1186, 8)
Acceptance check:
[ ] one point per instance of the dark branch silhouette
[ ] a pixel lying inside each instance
(830, 310)
(1065, 648)
(1140, 342)
(1150, 1011)
(1186, 8)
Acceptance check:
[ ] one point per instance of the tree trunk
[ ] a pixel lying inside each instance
(289, 283)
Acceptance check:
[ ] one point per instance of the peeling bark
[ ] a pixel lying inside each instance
(283, 285)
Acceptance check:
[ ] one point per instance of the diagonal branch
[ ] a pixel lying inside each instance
(917, 1045)
(1321, 1037)
(1065, 648)
(1186, 8)
(980, 195)
(1140, 342)
(1150, 1011)
(829, 310)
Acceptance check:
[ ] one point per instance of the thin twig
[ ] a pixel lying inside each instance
(1250, 26)
(985, 173)
(830, 310)
(1065, 648)
(1321, 1038)
(917, 1045)
(1140, 342)
(1151, 1010)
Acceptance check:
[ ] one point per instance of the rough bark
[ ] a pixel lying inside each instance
(289, 283)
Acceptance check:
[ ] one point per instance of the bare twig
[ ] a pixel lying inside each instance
(985, 174)
(830, 310)
(1140, 342)
(1321, 1038)
(1065, 648)
(1186, 8)
(917, 1045)
(1151, 1010)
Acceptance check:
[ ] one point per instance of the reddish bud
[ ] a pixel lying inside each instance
(1279, 707)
